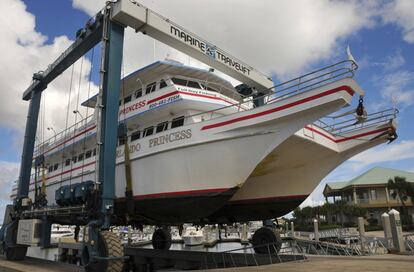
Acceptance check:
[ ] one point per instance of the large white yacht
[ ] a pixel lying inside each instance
(193, 139)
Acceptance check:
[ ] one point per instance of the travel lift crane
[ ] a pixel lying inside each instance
(101, 250)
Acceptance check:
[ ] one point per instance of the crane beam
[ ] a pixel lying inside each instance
(144, 20)
(88, 38)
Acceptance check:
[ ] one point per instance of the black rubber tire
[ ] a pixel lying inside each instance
(16, 253)
(266, 240)
(161, 239)
(109, 245)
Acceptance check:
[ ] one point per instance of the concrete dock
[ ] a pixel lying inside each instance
(377, 263)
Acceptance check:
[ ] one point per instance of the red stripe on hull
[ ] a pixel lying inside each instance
(283, 107)
(345, 138)
(266, 199)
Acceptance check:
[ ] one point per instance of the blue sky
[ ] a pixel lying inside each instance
(263, 33)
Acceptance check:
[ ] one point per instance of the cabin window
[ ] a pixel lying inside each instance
(150, 88)
(161, 127)
(163, 84)
(50, 169)
(177, 122)
(67, 162)
(193, 84)
(148, 131)
(94, 151)
(88, 154)
(208, 88)
(179, 81)
(55, 167)
(80, 157)
(74, 159)
(135, 136)
(138, 93)
(127, 99)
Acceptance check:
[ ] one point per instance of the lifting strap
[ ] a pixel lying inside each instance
(43, 188)
(122, 130)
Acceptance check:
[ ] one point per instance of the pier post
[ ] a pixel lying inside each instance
(361, 229)
(396, 231)
(316, 229)
(244, 234)
(292, 229)
(385, 218)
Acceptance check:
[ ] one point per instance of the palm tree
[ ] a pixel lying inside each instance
(403, 189)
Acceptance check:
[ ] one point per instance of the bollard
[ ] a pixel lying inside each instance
(361, 229)
(396, 231)
(244, 239)
(292, 229)
(316, 229)
(206, 232)
(385, 218)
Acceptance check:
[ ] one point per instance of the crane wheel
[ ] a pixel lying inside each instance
(266, 240)
(110, 246)
(161, 239)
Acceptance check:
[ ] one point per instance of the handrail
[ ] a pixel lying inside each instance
(350, 124)
(319, 78)
(62, 135)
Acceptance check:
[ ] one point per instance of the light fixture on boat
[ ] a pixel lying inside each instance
(52, 129)
(77, 112)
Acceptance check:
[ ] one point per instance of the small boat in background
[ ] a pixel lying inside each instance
(192, 236)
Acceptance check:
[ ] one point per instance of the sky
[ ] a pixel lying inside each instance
(282, 39)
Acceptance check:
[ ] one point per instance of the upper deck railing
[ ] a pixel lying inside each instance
(63, 135)
(298, 85)
(350, 124)
(315, 79)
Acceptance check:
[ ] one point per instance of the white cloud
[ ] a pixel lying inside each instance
(281, 37)
(8, 174)
(397, 86)
(24, 51)
(385, 153)
(401, 12)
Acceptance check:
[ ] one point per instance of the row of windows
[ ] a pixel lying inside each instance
(83, 156)
(150, 88)
(176, 122)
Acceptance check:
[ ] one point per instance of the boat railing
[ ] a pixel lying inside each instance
(302, 84)
(350, 124)
(315, 79)
(61, 136)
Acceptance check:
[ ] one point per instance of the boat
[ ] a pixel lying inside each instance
(290, 173)
(60, 232)
(189, 139)
(192, 236)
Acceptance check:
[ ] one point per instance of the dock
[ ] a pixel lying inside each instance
(377, 263)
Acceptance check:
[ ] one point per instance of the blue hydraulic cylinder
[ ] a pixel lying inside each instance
(28, 147)
(111, 85)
